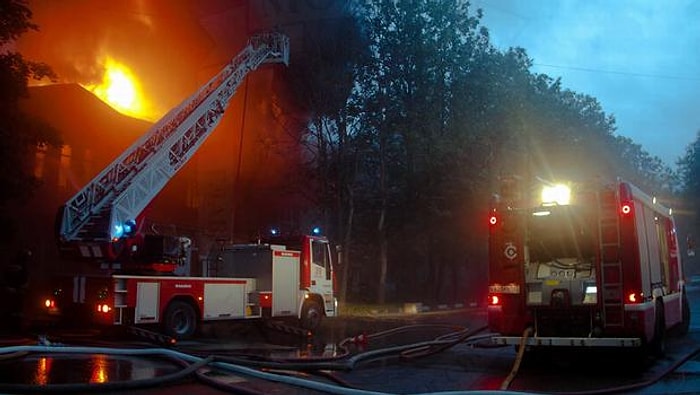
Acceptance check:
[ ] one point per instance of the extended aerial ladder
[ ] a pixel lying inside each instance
(109, 208)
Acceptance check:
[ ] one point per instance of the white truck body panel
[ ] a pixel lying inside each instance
(224, 301)
(147, 302)
(285, 282)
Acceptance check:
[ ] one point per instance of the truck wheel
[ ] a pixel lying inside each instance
(311, 315)
(658, 342)
(180, 320)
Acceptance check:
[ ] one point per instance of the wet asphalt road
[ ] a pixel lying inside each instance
(462, 367)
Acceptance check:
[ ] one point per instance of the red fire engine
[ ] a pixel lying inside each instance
(583, 265)
(145, 279)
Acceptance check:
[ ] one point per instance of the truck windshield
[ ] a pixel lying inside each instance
(559, 232)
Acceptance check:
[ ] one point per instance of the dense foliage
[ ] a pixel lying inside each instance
(19, 134)
(689, 174)
(434, 116)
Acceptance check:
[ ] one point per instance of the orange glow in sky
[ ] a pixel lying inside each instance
(121, 89)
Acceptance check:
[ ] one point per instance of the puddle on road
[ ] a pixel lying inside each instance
(43, 369)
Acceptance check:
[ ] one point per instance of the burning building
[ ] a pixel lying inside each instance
(122, 66)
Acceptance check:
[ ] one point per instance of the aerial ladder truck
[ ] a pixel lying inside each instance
(104, 222)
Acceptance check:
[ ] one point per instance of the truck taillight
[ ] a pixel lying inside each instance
(50, 303)
(493, 219)
(634, 297)
(103, 308)
(494, 300)
(626, 208)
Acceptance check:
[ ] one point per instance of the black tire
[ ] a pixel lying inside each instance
(657, 346)
(180, 320)
(311, 315)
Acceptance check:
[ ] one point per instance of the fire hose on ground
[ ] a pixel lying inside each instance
(195, 364)
(279, 370)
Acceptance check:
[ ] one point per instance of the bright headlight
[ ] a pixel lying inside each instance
(556, 194)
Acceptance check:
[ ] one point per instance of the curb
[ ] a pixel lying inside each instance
(416, 308)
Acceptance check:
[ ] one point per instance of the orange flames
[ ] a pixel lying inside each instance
(121, 89)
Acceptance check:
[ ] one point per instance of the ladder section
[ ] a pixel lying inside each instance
(610, 261)
(118, 194)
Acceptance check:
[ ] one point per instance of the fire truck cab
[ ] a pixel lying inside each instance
(583, 265)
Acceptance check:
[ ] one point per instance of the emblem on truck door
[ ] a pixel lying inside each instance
(511, 251)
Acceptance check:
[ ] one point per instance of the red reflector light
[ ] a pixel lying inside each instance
(265, 300)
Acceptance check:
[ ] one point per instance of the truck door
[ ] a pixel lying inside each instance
(322, 272)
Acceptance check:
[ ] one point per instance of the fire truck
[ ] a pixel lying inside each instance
(593, 264)
(144, 279)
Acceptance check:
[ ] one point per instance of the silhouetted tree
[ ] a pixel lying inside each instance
(323, 83)
(420, 49)
(19, 134)
(689, 174)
